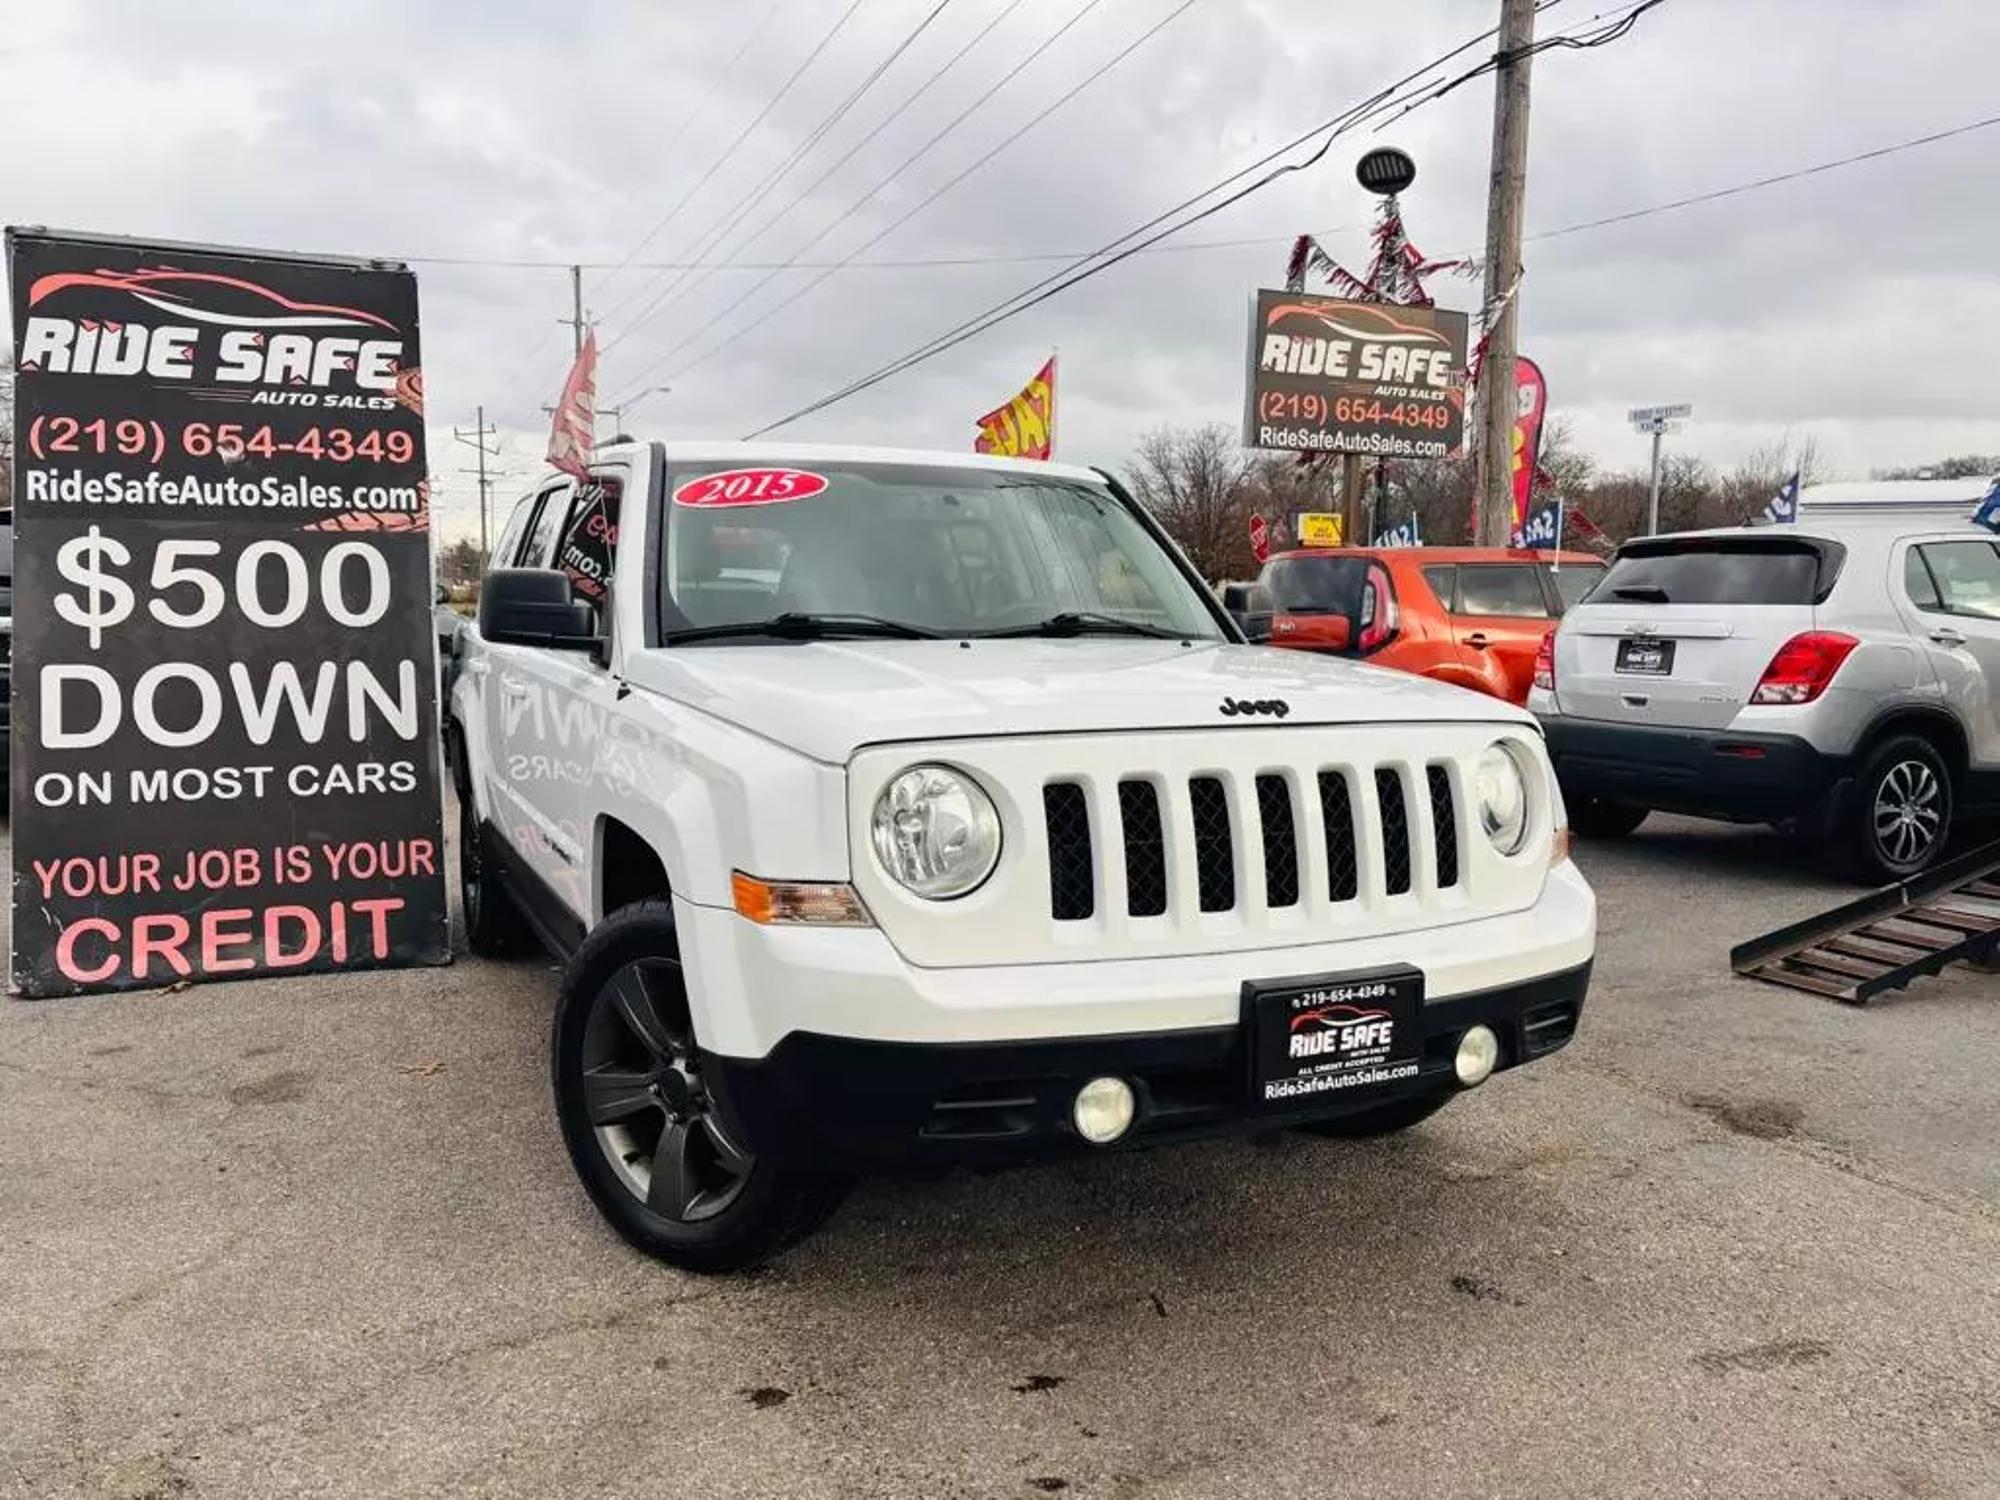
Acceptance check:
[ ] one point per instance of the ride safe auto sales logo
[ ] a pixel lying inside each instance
(225, 714)
(204, 326)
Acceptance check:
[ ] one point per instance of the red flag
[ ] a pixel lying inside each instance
(1531, 399)
(573, 433)
(1026, 426)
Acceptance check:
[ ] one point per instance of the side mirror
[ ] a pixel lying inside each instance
(1236, 598)
(1253, 617)
(535, 607)
(441, 594)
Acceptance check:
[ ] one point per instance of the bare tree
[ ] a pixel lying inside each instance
(1192, 480)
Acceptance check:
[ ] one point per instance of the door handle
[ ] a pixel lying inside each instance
(1946, 636)
(1477, 640)
(511, 689)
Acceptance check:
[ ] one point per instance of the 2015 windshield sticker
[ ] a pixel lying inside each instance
(749, 487)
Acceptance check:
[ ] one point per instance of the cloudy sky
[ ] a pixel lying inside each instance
(1851, 307)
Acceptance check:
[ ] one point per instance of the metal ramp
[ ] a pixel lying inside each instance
(1883, 941)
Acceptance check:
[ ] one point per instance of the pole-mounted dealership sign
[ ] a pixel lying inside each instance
(225, 754)
(1329, 375)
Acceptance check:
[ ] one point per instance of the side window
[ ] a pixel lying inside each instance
(541, 548)
(1918, 583)
(590, 540)
(508, 547)
(1501, 589)
(1443, 581)
(1968, 577)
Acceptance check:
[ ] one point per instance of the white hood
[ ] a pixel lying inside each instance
(828, 698)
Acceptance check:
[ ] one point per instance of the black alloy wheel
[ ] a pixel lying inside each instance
(653, 1119)
(653, 1142)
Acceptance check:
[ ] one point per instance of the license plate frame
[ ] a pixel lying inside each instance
(1645, 656)
(1372, 1024)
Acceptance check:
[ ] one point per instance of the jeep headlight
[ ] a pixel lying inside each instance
(936, 832)
(1501, 789)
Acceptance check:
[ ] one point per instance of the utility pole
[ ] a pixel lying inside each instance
(476, 440)
(1505, 190)
(575, 319)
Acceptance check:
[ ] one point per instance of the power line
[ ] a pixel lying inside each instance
(719, 229)
(1380, 100)
(688, 120)
(742, 136)
(1193, 246)
(1772, 181)
(937, 77)
(1014, 306)
(928, 200)
(1052, 284)
(936, 139)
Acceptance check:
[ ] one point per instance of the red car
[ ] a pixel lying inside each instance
(1474, 616)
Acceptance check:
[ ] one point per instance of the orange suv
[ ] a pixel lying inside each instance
(1474, 616)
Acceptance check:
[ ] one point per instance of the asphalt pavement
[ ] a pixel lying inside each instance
(319, 1237)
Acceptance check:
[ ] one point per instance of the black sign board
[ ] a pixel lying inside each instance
(225, 752)
(1328, 375)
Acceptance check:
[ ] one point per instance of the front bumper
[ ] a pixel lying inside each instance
(1716, 773)
(819, 1098)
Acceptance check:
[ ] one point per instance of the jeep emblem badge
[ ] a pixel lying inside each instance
(1276, 707)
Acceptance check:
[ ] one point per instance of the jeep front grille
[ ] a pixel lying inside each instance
(1145, 849)
(1444, 826)
(1214, 815)
(1239, 839)
(1072, 890)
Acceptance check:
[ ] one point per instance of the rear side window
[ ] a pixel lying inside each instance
(1315, 585)
(509, 545)
(540, 551)
(1574, 580)
(1443, 581)
(1709, 571)
(1501, 589)
(1968, 577)
(1917, 581)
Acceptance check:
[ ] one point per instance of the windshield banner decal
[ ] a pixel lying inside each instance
(749, 487)
(225, 739)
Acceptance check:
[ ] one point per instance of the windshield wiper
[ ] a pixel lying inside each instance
(795, 625)
(1644, 593)
(1083, 622)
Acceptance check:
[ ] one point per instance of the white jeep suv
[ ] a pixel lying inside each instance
(892, 807)
(1843, 678)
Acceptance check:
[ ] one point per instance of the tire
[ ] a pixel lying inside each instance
(655, 1152)
(1383, 1119)
(1594, 818)
(494, 926)
(1900, 816)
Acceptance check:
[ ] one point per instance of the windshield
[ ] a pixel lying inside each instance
(1710, 571)
(1315, 585)
(944, 550)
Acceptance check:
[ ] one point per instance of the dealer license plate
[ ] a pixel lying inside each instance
(1320, 1038)
(1646, 658)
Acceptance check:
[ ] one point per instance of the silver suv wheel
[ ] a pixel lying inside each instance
(1909, 812)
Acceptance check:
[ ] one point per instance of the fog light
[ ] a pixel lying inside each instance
(1478, 1051)
(1104, 1110)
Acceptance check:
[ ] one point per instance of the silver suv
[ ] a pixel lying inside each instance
(1840, 678)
